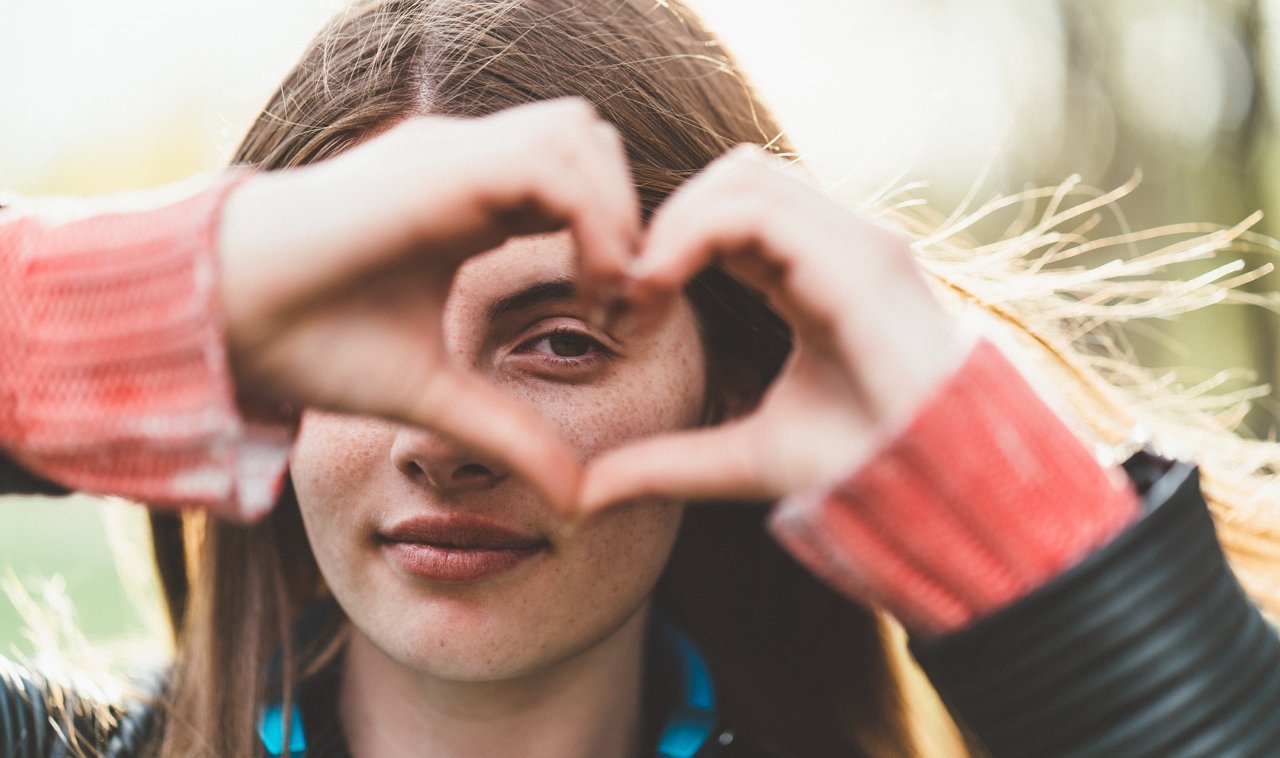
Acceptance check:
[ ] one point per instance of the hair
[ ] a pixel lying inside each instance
(810, 672)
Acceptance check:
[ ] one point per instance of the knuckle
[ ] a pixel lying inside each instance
(896, 244)
(571, 120)
(746, 151)
(556, 124)
(609, 135)
(742, 170)
(552, 152)
(745, 205)
(578, 108)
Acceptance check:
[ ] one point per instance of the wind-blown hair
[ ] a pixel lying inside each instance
(1042, 293)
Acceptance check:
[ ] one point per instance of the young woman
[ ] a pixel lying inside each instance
(409, 595)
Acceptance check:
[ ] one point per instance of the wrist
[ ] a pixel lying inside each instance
(265, 242)
(247, 233)
(115, 379)
(984, 496)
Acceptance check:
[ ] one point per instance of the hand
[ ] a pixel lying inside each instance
(870, 339)
(334, 275)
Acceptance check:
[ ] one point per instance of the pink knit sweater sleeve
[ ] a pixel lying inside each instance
(983, 497)
(114, 376)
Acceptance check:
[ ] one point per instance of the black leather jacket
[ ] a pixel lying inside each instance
(1146, 648)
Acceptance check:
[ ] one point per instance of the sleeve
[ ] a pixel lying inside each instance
(1056, 612)
(982, 497)
(1148, 647)
(115, 378)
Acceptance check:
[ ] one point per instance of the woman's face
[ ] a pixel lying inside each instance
(445, 561)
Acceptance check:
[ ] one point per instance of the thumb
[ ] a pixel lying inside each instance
(480, 416)
(715, 462)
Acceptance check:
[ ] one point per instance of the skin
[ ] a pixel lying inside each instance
(334, 274)
(334, 277)
(547, 658)
(871, 342)
(463, 668)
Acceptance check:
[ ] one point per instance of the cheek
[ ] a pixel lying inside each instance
(334, 459)
(336, 453)
(628, 546)
(658, 388)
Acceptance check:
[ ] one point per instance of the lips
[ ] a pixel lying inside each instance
(458, 549)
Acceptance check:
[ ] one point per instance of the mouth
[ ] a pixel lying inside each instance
(458, 549)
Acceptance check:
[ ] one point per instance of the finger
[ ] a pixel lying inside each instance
(602, 267)
(710, 463)
(831, 274)
(742, 232)
(775, 231)
(468, 409)
(573, 167)
(728, 182)
(567, 169)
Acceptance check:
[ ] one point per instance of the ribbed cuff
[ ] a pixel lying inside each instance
(982, 498)
(114, 376)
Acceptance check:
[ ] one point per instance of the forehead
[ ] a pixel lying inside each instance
(519, 264)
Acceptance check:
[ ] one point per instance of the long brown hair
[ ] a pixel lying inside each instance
(807, 671)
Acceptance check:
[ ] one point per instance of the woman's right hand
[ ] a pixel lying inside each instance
(334, 275)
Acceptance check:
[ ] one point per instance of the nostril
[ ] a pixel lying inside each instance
(471, 471)
(436, 462)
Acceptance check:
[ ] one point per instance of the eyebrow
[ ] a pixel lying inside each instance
(535, 294)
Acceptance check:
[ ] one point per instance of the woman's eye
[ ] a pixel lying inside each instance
(561, 352)
(568, 345)
(565, 345)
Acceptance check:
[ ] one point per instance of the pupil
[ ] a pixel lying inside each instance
(568, 345)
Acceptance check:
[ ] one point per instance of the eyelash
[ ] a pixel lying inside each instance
(595, 350)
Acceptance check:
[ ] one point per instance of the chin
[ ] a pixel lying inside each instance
(465, 644)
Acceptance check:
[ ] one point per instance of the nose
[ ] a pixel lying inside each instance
(440, 463)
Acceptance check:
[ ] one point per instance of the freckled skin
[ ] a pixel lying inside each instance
(350, 476)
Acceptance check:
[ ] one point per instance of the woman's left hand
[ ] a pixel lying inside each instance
(871, 341)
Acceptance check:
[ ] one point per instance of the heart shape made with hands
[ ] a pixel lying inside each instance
(870, 341)
(378, 248)
(869, 344)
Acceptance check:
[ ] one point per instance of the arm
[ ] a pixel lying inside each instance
(1147, 647)
(115, 379)
(139, 337)
(970, 503)
(1144, 645)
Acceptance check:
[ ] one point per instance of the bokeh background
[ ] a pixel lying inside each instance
(968, 98)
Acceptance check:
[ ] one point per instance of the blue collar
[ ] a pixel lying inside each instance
(687, 728)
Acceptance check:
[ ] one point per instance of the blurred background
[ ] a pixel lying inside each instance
(971, 98)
